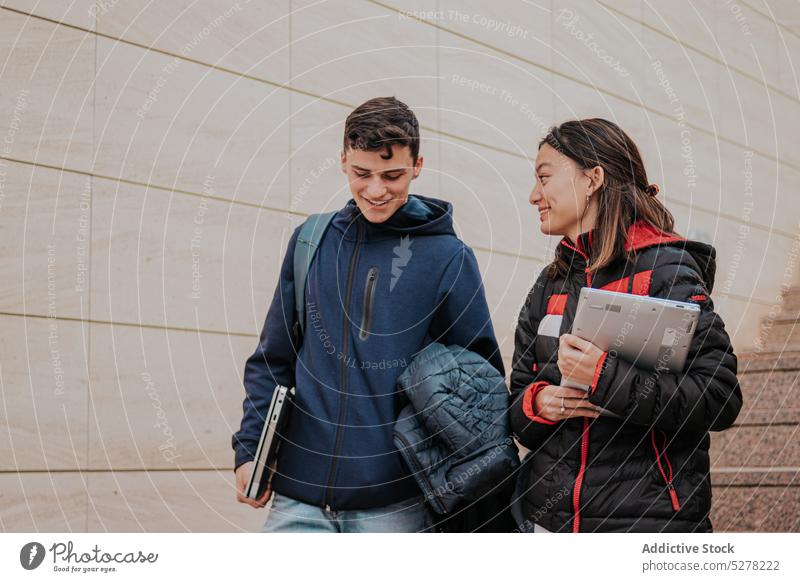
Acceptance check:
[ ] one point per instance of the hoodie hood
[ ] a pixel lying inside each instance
(419, 216)
(642, 235)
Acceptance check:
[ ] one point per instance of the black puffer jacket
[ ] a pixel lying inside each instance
(646, 472)
(455, 436)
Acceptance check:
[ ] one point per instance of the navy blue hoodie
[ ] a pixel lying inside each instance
(376, 295)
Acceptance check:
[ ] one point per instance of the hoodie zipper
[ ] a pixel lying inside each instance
(666, 475)
(343, 387)
(576, 489)
(369, 297)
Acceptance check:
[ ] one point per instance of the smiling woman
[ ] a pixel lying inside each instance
(646, 468)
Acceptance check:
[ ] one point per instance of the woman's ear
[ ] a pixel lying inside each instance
(596, 177)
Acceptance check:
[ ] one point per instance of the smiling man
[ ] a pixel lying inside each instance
(389, 277)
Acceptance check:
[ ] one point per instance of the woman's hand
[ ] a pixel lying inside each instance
(577, 359)
(559, 402)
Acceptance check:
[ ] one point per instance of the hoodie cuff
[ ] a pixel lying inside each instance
(528, 401)
(242, 454)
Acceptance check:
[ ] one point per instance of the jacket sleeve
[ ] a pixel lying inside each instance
(705, 395)
(529, 428)
(272, 363)
(462, 317)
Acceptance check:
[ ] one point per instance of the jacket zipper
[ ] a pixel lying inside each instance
(576, 490)
(667, 476)
(585, 257)
(427, 486)
(343, 388)
(369, 297)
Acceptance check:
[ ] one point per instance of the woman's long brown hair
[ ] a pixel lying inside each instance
(625, 196)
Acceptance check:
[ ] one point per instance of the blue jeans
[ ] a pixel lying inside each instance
(287, 515)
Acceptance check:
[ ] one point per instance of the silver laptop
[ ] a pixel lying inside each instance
(651, 333)
(267, 451)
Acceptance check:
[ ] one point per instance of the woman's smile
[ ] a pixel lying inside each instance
(543, 212)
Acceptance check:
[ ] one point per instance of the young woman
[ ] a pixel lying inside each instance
(647, 469)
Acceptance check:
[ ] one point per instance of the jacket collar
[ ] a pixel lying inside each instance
(580, 250)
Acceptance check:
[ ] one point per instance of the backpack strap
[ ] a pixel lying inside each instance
(308, 241)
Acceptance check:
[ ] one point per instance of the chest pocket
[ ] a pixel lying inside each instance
(550, 325)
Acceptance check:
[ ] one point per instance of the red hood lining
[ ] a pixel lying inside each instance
(641, 235)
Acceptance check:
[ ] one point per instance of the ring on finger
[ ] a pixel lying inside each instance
(562, 405)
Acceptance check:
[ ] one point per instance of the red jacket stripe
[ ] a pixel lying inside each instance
(556, 304)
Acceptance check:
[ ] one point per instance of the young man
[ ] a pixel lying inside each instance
(389, 277)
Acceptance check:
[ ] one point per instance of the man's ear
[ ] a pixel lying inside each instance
(418, 167)
(596, 177)
(343, 160)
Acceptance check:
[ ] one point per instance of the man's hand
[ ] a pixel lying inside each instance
(242, 477)
(550, 399)
(577, 359)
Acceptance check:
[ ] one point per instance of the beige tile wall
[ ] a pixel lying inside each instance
(149, 153)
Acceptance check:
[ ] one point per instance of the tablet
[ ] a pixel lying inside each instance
(649, 332)
(267, 451)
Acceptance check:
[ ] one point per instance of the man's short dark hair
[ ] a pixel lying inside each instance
(381, 123)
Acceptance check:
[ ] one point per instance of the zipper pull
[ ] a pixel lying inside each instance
(673, 495)
(328, 508)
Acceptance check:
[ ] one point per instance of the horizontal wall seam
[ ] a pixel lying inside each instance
(120, 470)
(576, 80)
(770, 19)
(699, 51)
(131, 324)
(726, 216)
(349, 106)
